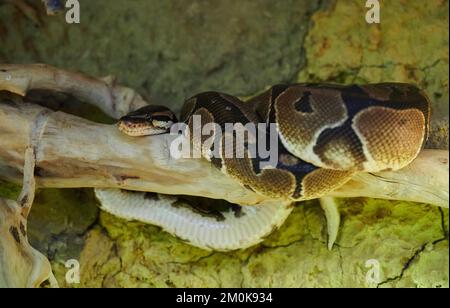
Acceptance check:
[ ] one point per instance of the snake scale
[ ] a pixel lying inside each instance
(325, 134)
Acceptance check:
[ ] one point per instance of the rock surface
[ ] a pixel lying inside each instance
(136, 255)
(175, 49)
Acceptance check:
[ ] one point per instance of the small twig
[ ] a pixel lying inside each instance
(26, 196)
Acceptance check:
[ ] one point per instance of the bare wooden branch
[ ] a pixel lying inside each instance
(20, 264)
(424, 180)
(113, 99)
(73, 152)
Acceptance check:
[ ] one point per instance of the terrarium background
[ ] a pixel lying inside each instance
(169, 50)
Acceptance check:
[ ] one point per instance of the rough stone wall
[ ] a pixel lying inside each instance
(169, 50)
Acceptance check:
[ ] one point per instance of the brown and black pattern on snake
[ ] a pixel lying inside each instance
(361, 128)
(219, 108)
(325, 133)
(291, 177)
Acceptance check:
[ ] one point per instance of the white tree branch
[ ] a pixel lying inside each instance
(74, 152)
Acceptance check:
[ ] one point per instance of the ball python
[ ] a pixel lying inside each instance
(325, 134)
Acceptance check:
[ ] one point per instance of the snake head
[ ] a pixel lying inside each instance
(148, 120)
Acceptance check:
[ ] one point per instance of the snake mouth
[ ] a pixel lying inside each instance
(148, 120)
(137, 129)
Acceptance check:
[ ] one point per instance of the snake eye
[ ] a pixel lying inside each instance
(148, 118)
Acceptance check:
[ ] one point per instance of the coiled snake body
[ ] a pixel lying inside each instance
(325, 134)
